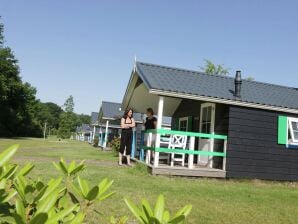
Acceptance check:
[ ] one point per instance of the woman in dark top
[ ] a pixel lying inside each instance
(151, 121)
(127, 124)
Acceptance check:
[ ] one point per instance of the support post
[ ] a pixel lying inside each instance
(190, 156)
(93, 136)
(106, 134)
(141, 157)
(224, 158)
(149, 144)
(133, 145)
(210, 158)
(159, 123)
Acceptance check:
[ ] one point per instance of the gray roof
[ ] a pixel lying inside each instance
(94, 118)
(181, 81)
(111, 110)
(83, 128)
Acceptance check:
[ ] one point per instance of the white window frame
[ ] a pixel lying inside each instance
(183, 119)
(290, 128)
(212, 105)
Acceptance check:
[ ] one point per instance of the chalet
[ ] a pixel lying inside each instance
(224, 127)
(83, 132)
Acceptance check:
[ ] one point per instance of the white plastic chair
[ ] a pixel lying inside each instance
(177, 141)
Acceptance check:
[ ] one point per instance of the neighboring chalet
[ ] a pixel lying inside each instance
(222, 126)
(109, 121)
(83, 132)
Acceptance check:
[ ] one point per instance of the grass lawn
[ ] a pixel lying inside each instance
(214, 201)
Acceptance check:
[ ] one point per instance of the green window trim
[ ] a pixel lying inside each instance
(282, 130)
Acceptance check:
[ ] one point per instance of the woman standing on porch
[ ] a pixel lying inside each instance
(150, 123)
(127, 124)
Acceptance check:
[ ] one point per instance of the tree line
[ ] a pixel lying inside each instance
(21, 113)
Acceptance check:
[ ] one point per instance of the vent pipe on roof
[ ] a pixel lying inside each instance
(238, 82)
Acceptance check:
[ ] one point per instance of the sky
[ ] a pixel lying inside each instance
(87, 48)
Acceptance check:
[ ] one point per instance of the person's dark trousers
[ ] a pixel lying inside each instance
(126, 141)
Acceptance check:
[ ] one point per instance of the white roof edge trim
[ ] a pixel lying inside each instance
(223, 101)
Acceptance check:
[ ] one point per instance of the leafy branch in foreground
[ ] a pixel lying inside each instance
(146, 215)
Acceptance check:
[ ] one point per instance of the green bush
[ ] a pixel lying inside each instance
(95, 142)
(23, 200)
(115, 144)
(65, 199)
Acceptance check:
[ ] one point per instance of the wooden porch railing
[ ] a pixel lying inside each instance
(190, 151)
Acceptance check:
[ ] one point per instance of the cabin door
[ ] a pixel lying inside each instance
(207, 120)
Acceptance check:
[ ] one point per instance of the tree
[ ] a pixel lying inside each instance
(17, 99)
(213, 69)
(68, 119)
(69, 104)
(83, 119)
(250, 78)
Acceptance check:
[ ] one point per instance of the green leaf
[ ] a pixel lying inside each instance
(177, 220)
(62, 165)
(46, 204)
(71, 166)
(104, 185)
(10, 195)
(78, 169)
(135, 211)
(52, 186)
(20, 210)
(84, 187)
(184, 211)
(73, 198)
(92, 194)
(39, 218)
(10, 172)
(159, 207)
(26, 169)
(147, 208)
(56, 166)
(79, 218)
(3, 183)
(106, 196)
(59, 217)
(166, 216)
(20, 185)
(154, 220)
(7, 154)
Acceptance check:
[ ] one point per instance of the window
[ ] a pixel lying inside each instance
(207, 118)
(183, 124)
(293, 128)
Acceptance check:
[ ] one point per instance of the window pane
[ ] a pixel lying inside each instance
(204, 115)
(296, 135)
(295, 125)
(209, 114)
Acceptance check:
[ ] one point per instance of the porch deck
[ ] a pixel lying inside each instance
(184, 171)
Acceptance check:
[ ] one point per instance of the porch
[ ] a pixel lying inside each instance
(169, 152)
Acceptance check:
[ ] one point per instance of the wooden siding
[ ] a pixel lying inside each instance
(253, 151)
